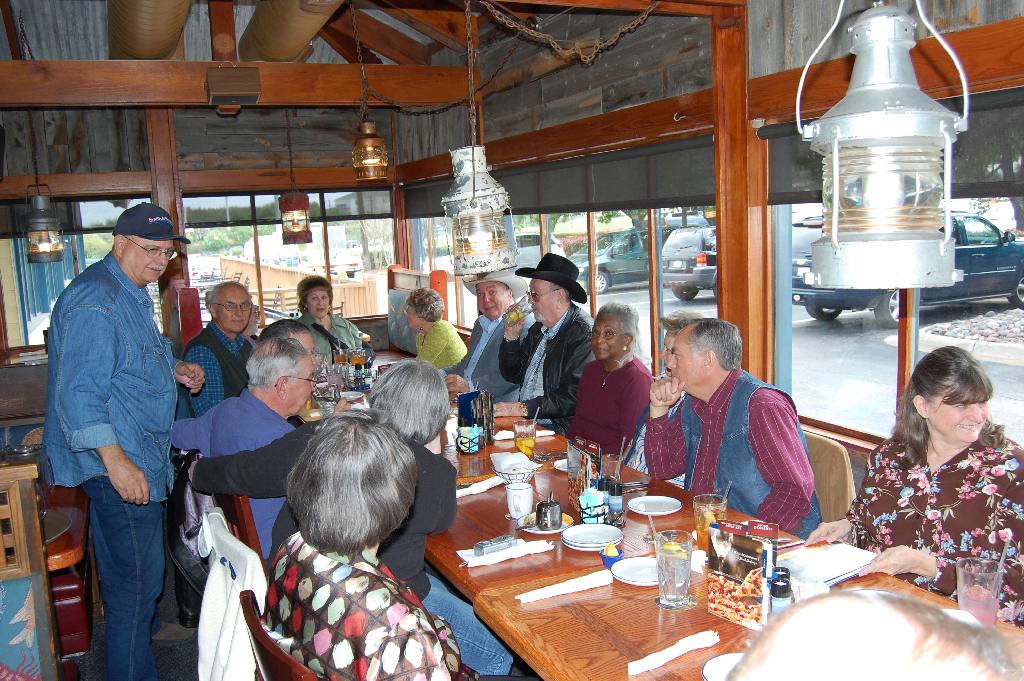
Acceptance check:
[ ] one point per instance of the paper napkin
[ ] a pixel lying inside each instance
(509, 462)
(522, 548)
(591, 581)
(478, 487)
(704, 639)
(509, 435)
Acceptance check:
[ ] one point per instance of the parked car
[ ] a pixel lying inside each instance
(992, 263)
(677, 220)
(689, 261)
(620, 257)
(529, 249)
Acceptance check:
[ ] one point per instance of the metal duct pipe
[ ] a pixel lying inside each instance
(145, 29)
(281, 30)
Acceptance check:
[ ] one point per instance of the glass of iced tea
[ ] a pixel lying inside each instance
(707, 509)
(526, 435)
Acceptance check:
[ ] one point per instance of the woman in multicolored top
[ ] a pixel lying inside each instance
(947, 484)
(331, 603)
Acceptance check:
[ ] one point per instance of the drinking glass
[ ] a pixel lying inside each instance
(526, 436)
(977, 587)
(673, 551)
(707, 510)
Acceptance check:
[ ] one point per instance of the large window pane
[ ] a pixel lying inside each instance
(836, 349)
(987, 318)
(621, 260)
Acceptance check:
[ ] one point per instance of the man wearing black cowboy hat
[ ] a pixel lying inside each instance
(548, 363)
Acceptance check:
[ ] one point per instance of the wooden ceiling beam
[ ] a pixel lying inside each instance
(446, 26)
(274, 179)
(64, 185)
(345, 45)
(381, 38)
(223, 45)
(685, 9)
(12, 33)
(30, 84)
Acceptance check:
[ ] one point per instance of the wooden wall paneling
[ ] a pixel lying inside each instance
(729, 41)
(173, 84)
(223, 44)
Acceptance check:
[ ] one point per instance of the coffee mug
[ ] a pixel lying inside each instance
(520, 499)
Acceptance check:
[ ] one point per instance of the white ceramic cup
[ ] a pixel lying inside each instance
(520, 499)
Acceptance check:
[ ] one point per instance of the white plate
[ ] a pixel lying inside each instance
(654, 505)
(585, 537)
(717, 668)
(529, 521)
(638, 571)
(561, 465)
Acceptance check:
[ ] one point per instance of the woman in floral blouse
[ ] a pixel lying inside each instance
(947, 484)
(331, 603)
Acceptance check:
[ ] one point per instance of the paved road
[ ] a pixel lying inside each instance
(844, 371)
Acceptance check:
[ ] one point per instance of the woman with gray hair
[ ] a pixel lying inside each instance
(413, 399)
(615, 386)
(437, 341)
(349, 490)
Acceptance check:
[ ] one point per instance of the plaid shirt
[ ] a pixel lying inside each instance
(212, 393)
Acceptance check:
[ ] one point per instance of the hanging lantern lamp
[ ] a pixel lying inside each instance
(294, 205)
(369, 154)
(475, 207)
(887, 168)
(42, 230)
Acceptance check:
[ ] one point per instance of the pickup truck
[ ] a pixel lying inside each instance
(992, 263)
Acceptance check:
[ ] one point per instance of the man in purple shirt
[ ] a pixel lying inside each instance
(280, 382)
(732, 431)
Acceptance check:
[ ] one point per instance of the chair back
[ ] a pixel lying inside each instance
(833, 476)
(238, 514)
(276, 664)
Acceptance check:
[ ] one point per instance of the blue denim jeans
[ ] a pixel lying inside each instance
(480, 649)
(128, 541)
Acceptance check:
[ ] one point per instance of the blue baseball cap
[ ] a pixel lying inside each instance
(149, 222)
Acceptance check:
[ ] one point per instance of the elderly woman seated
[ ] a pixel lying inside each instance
(437, 341)
(615, 387)
(330, 331)
(332, 604)
(945, 485)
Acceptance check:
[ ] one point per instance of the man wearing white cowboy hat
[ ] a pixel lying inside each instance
(495, 292)
(548, 363)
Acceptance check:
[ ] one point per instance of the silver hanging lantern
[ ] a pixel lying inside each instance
(887, 170)
(475, 206)
(42, 231)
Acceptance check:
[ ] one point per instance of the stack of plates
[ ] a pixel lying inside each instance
(591, 537)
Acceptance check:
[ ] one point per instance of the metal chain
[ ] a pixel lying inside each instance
(586, 55)
(470, 59)
(364, 105)
(23, 39)
(288, 132)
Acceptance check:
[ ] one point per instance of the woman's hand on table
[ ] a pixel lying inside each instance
(898, 560)
(839, 530)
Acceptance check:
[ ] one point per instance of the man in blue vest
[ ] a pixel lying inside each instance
(222, 348)
(732, 431)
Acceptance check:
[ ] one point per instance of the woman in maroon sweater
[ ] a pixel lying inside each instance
(615, 387)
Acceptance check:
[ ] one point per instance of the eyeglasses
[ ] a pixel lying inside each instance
(234, 307)
(154, 252)
(607, 335)
(300, 378)
(531, 295)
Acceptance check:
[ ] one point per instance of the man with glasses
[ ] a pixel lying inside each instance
(549, 361)
(280, 383)
(222, 348)
(109, 406)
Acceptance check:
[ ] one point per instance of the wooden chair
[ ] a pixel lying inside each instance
(238, 514)
(276, 664)
(833, 476)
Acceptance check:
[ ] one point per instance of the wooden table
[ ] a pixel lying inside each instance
(591, 634)
(69, 548)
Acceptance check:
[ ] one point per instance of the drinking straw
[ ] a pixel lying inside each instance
(725, 495)
(618, 464)
(535, 413)
(650, 522)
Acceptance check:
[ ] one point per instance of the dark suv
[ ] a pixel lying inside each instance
(992, 263)
(620, 257)
(689, 261)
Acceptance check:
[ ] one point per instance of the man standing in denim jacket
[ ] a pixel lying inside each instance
(109, 407)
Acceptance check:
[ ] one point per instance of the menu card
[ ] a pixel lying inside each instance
(827, 563)
(738, 565)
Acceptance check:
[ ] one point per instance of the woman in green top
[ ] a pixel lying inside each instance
(316, 297)
(437, 341)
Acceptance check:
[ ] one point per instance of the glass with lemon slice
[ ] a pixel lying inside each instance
(673, 551)
(708, 509)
